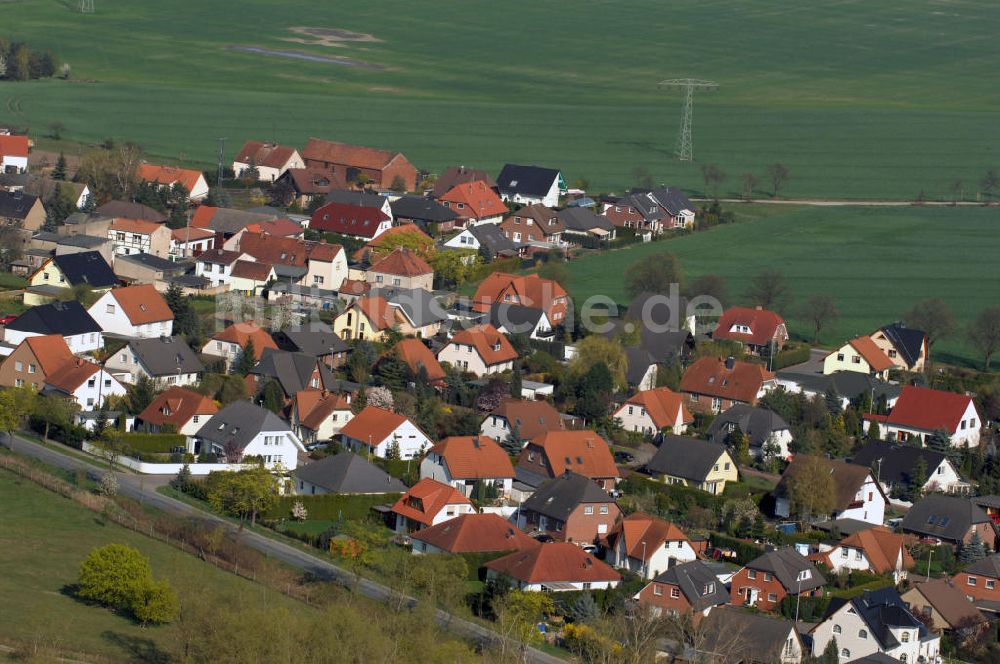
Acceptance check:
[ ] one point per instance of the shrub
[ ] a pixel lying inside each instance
(790, 356)
(330, 506)
(114, 575)
(153, 443)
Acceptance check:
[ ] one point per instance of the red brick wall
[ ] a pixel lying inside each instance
(704, 403)
(648, 597)
(741, 581)
(581, 527)
(986, 533)
(978, 591)
(404, 169)
(619, 218)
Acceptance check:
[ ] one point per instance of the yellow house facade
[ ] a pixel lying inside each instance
(695, 463)
(355, 323)
(860, 355)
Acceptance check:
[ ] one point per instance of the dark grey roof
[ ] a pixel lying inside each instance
(360, 198)
(291, 370)
(533, 181)
(689, 458)
(697, 580)
(349, 473)
(989, 501)
(46, 236)
(786, 564)
(86, 267)
(639, 361)
(672, 199)
(895, 463)
(988, 566)
(230, 221)
(316, 339)
(875, 658)
(162, 356)
(848, 384)
(293, 271)
(754, 637)
(239, 422)
(493, 237)
(643, 203)
(757, 423)
(420, 305)
(131, 211)
(945, 517)
(65, 318)
(657, 309)
(191, 281)
(83, 218)
(16, 204)
(515, 318)
(583, 220)
(420, 208)
(844, 526)
(909, 341)
(85, 241)
(558, 497)
(667, 347)
(154, 262)
(881, 610)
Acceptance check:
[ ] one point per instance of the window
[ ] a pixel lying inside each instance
(906, 637)
(857, 555)
(589, 509)
(972, 580)
(32, 368)
(109, 309)
(18, 365)
(840, 357)
(902, 657)
(92, 382)
(862, 634)
(768, 577)
(855, 359)
(675, 593)
(837, 629)
(604, 509)
(752, 574)
(195, 419)
(657, 590)
(843, 552)
(990, 584)
(772, 597)
(845, 653)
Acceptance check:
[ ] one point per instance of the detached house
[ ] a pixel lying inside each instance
(216, 265)
(648, 546)
(768, 434)
(536, 225)
(165, 360)
(524, 419)
(474, 203)
(167, 176)
(875, 550)
(950, 519)
(374, 430)
(581, 221)
(906, 347)
(981, 580)
(183, 410)
(766, 580)
(420, 361)
(693, 462)
(653, 211)
(694, 587)
(858, 495)
(553, 567)
(84, 383)
(428, 503)
(190, 242)
(403, 269)
(554, 453)
(242, 430)
(268, 159)
(294, 372)
(896, 467)
(747, 637)
(23, 211)
(466, 461)
(653, 411)
(759, 330)
(67, 319)
(920, 412)
(472, 533)
(515, 319)
(135, 311)
(370, 317)
(14, 154)
(529, 291)
(861, 355)
(315, 339)
(354, 221)
(715, 384)
(228, 344)
(472, 238)
(570, 508)
(311, 183)
(354, 163)
(34, 360)
(480, 350)
(134, 236)
(56, 274)
(454, 175)
(314, 264)
(425, 213)
(946, 605)
(530, 185)
(345, 473)
(318, 415)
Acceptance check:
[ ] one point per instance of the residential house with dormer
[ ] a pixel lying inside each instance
(647, 546)
(692, 462)
(858, 495)
(766, 580)
(569, 508)
(134, 311)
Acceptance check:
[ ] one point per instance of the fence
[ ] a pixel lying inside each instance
(147, 468)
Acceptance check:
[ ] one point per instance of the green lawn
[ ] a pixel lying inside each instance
(44, 537)
(875, 263)
(859, 99)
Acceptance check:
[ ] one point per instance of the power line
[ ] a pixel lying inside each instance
(685, 147)
(222, 150)
(86, 6)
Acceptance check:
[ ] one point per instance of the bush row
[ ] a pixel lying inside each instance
(331, 506)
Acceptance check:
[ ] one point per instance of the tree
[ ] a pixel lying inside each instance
(972, 552)
(713, 177)
(874, 430)
(15, 405)
(749, 182)
(584, 608)
(398, 184)
(915, 487)
(600, 349)
(654, 273)
(940, 441)
(380, 397)
(984, 334)
(516, 383)
(155, 604)
(594, 392)
(59, 172)
(54, 411)
(486, 253)
(933, 317)
(518, 612)
(990, 181)
(108, 486)
(810, 488)
(392, 452)
(243, 493)
(778, 174)
(186, 321)
(114, 575)
(247, 359)
(821, 311)
(140, 394)
(957, 191)
(272, 397)
(740, 444)
(56, 129)
(769, 290)
(709, 285)
(554, 271)
(392, 371)
(831, 653)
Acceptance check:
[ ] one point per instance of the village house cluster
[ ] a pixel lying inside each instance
(556, 496)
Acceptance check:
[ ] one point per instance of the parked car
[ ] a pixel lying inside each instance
(7, 319)
(622, 456)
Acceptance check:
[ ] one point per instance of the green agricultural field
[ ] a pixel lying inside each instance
(858, 99)
(875, 263)
(44, 537)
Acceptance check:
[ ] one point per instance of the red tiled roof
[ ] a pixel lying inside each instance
(167, 175)
(402, 262)
(177, 406)
(490, 344)
(71, 375)
(416, 355)
(202, 216)
(142, 304)
(135, 226)
(219, 256)
(928, 410)
(478, 200)
(374, 424)
(584, 452)
(50, 350)
(190, 233)
(315, 406)
(710, 376)
(474, 457)
(640, 529)
(528, 290)
(354, 287)
(762, 323)
(14, 146)
(476, 533)
(544, 219)
(882, 547)
(662, 405)
(873, 355)
(239, 333)
(426, 498)
(348, 219)
(243, 269)
(318, 149)
(268, 155)
(377, 310)
(285, 250)
(315, 181)
(532, 418)
(278, 227)
(554, 562)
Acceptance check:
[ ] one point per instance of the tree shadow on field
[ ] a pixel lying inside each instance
(138, 649)
(647, 146)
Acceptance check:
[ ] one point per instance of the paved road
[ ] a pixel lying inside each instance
(143, 488)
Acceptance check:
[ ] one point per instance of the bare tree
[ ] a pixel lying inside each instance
(749, 182)
(990, 182)
(778, 174)
(820, 310)
(713, 177)
(957, 191)
(984, 334)
(932, 316)
(129, 158)
(769, 289)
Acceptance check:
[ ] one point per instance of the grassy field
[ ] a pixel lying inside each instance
(44, 537)
(859, 99)
(875, 263)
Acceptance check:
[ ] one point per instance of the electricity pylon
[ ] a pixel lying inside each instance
(86, 6)
(685, 150)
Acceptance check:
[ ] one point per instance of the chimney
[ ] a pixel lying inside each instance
(730, 362)
(758, 307)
